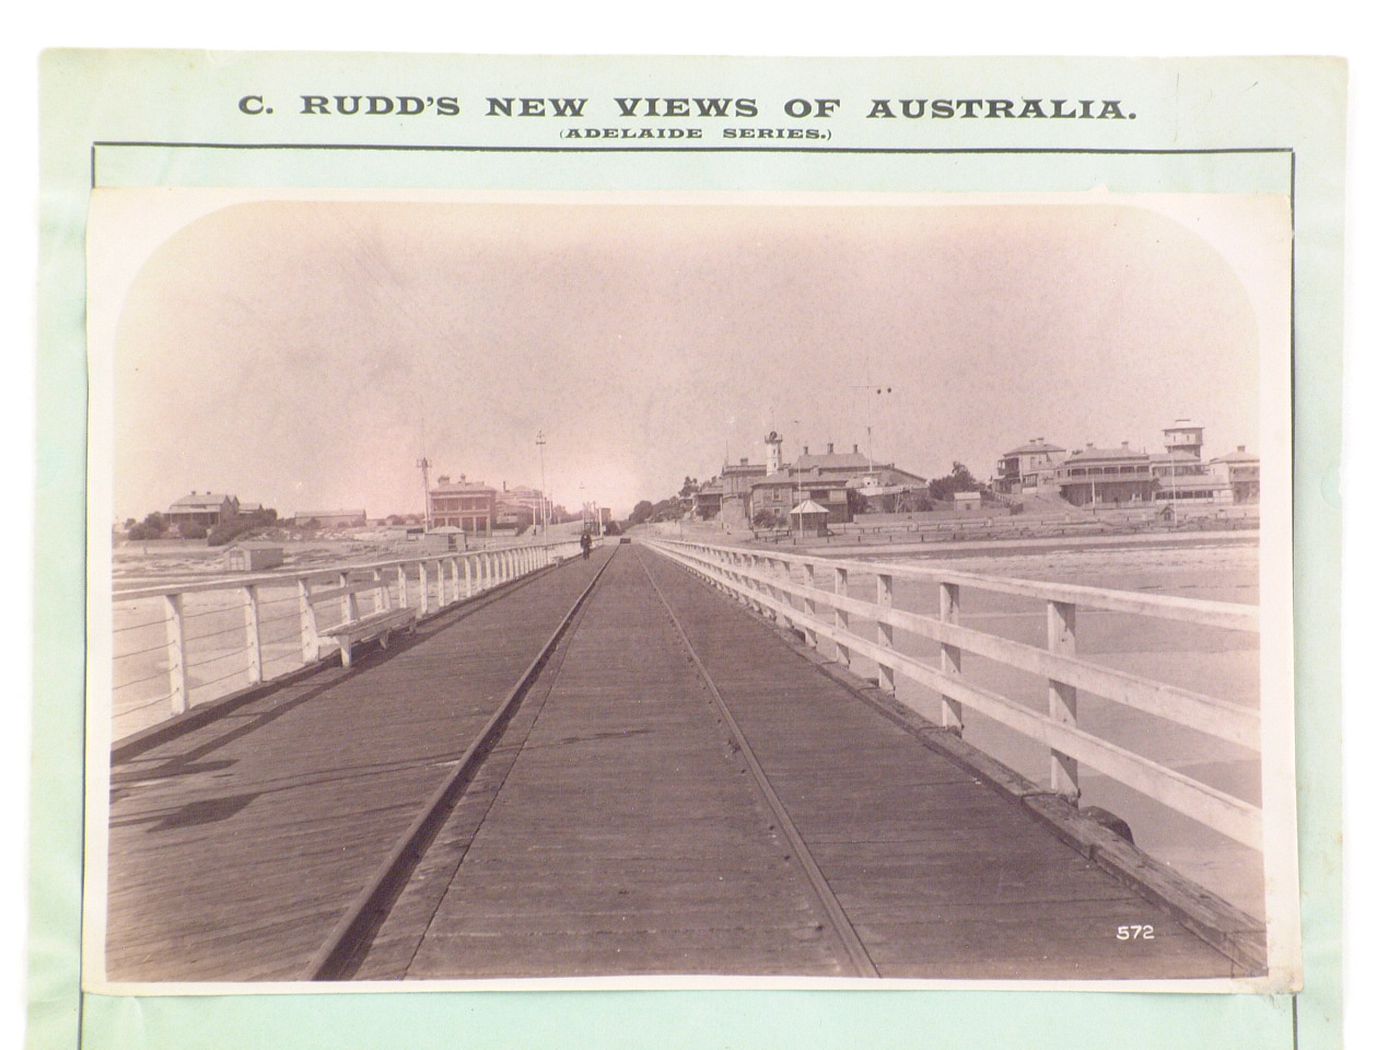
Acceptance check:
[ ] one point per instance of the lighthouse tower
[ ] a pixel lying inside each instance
(774, 441)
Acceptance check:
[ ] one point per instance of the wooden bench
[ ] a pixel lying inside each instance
(354, 627)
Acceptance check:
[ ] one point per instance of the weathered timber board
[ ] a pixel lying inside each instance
(982, 898)
(235, 848)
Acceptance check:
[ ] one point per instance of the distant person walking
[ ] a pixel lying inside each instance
(585, 541)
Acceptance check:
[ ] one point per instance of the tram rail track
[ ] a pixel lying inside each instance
(347, 947)
(335, 957)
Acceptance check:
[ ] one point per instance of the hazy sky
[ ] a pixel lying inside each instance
(304, 354)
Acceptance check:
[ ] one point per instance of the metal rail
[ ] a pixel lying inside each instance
(855, 949)
(333, 959)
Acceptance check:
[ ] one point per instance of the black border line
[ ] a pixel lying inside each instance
(816, 150)
(380, 147)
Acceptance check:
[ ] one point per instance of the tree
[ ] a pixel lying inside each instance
(641, 512)
(689, 487)
(155, 521)
(769, 517)
(192, 530)
(959, 480)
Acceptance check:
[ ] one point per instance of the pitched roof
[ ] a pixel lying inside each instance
(1037, 445)
(834, 461)
(463, 486)
(808, 507)
(1237, 456)
(206, 499)
(1090, 453)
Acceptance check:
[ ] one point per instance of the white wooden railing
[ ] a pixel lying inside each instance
(195, 640)
(784, 587)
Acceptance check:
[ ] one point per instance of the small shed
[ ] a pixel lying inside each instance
(251, 556)
(448, 537)
(809, 516)
(967, 500)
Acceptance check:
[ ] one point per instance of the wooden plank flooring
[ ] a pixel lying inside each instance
(235, 848)
(616, 827)
(628, 838)
(941, 876)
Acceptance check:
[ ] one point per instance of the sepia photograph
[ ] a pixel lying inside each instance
(814, 589)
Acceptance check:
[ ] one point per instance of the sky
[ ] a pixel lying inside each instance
(304, 354)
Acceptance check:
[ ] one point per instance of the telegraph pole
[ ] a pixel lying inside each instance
(869, 427)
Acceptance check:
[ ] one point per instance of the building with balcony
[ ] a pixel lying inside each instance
(1240, 470)
(1113, 477)
(462, 504)
(1023, 467)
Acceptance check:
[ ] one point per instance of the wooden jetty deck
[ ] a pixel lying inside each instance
(680, 790)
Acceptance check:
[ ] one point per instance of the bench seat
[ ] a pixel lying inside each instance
(376, 626)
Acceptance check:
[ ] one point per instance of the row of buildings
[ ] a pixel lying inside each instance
(1092, 477)
(745, 493)
(836, 482)
(473, 507)
(208, 509)
(479, 509)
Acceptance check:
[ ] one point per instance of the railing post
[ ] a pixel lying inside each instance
(348, 610)
(403, 586)
(1064, 699)
(252, 639)
(949, 609)
(842, 587)
(809, 605)
(175, 642)
(442, 596)
(780, 593)
(884, 633)
(423, 587)
(310, 649)
(381, 592)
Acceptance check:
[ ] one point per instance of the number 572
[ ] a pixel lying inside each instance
(1136, 933)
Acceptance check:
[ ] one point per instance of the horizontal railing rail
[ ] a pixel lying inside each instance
(225, 633)
(783, 586)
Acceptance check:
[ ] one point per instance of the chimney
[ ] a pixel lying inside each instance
(804, 450)
(830, 447)
(855, 449)
(462, 479)
(1239, 448)
(743, 461)
(443, 479)
(1125, 444)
